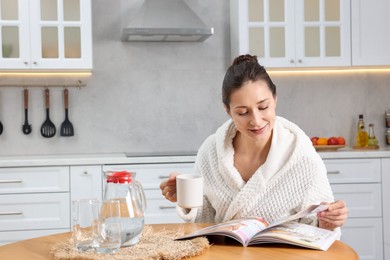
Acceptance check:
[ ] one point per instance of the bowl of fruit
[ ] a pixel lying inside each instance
(328, 143)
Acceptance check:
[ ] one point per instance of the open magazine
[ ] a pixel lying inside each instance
(256, 230)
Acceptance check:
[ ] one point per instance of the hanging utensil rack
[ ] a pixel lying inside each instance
(44, 78)
(79, 84)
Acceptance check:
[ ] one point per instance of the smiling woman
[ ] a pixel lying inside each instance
(259, 158)
(254, 121)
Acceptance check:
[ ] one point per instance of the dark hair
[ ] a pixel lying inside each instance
(244, 68)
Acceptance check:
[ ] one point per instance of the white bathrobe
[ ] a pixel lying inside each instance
(293, 177)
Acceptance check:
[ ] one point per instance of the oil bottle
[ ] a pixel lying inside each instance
(362, 135)
(372, 140)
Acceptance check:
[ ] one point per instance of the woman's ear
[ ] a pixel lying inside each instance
(227, 109)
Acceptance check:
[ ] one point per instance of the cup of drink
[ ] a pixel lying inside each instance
(189, 191)
(84, 216)
(107, 231)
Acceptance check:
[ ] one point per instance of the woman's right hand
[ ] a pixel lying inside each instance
(168, 187)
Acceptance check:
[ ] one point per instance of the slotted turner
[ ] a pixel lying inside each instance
(48, 129)
(66, 126)
(1, 128)
(26, 127)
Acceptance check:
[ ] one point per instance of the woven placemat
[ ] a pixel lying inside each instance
(152, 245)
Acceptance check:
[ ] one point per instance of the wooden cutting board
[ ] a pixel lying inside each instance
(328, 147)
(371, 147)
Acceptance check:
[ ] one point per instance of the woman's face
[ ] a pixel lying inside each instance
(252, 108)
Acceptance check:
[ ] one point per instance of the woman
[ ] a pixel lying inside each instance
(258, 164)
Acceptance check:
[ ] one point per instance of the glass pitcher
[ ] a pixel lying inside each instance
(122, 186)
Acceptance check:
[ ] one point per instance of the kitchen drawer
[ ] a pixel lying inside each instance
(34, 211)
(151, 175)
(159, 209)
(34, 180)
(7, 237)
(353, 170)
(363, 200)
(365, 235)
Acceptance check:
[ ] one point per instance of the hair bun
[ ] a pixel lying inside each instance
(245, 58)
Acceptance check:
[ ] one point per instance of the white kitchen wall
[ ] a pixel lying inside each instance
(164, 97)
(326, 105)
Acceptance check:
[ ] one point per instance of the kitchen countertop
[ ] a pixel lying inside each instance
(131, 158)
(90, 159)
(349, 153)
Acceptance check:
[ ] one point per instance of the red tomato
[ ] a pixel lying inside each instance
(341, 140)
(314, 140)
(332, 141)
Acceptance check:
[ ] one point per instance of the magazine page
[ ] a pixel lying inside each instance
(243, 230)
(297, 234)
(240, 229)
(312, 209)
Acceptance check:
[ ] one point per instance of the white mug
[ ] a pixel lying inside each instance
(189, 191)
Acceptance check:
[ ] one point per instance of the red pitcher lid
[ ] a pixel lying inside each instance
(119, 177)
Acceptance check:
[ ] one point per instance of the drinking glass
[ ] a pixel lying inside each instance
(84, 215)
(107, 231)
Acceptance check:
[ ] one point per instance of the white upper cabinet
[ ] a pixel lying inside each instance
(292, 33)
(370, 32)
(45, 35)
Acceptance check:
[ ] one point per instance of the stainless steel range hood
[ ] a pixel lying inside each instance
(166, 20)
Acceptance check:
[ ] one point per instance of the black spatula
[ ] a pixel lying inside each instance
(1, 128)
(48, 129)
(26, 127)
(66, 126)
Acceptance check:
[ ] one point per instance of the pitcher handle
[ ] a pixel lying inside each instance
(141, 193)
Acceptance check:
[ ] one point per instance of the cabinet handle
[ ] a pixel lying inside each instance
(35, 63)
(25, 63)
(10, 181)
(11, 213)
(85, 172)
(299, 61)
(163, 177)
(167, 207)
(334, 172)
(291, 61)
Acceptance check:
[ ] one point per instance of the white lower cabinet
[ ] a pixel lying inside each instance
(34, 211)
(34, 201)
(363, 200)
(34, 180)
(365, 236)
(358, 183)
(386, 206)
(86, 182)
(159, 210)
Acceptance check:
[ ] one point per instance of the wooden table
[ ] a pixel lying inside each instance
(39, 248)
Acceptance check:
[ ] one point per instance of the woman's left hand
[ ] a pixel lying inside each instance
(334, 217)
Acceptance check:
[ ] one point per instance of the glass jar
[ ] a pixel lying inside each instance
(121, 185)
(371, 134)
(372, 141)
(388, 136)
(387, 118)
